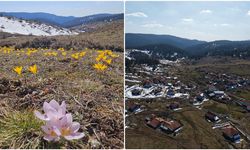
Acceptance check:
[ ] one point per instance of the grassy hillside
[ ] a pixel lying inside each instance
(104, 36)
(93, 96)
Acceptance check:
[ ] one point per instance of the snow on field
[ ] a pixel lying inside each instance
(13, 25)
(131, 76)
(167, 62)
(134, 81)
(127, 53)
(148, 92)
(142, 51)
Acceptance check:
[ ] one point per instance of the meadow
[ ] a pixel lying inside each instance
(87, 82)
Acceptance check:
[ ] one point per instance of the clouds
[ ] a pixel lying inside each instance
(187, 20)
(206, 11)
(153, 25)
(248, 13)
(225, 24)
(197, 20)
(137, 14)
(222, 25)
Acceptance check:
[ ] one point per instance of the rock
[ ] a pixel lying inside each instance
(95, 144)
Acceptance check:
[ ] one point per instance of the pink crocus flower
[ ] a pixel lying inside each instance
(58, 123)
(52, 110)
(52, 132)
(69, 129)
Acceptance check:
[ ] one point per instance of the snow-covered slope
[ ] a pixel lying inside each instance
(13, 25)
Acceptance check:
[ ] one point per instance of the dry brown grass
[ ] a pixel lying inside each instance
(95, 98)
(108, 36)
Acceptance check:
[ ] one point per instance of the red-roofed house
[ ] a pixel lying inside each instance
(171, 126)
(232, 134)
(154, 123)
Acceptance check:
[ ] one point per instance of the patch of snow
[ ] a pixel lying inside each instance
(18, 26)
(134, 81)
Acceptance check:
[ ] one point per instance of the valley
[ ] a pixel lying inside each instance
(175, 99)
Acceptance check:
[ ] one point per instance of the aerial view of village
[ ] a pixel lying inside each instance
(187, 75)
(61, 75)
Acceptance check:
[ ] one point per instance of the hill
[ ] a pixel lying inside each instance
(221, 48)
(187, 47)
(63, 21)
(14, 25)
(135, 40)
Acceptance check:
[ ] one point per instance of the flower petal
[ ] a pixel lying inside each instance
(45, 129)
(40, 115)
(47, 107)
(69, 118)
(54, 104)
(52, 115)
(48, 138)
(56, 130)
(74, 136)
(62, 109)
(63, 122)
(75, 127)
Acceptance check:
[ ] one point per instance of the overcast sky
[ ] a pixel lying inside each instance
(77, 9)
(195, 20)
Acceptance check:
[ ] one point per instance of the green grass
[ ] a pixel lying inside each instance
(235, 111)
(217, 107)
(19, 129)
(244, 94)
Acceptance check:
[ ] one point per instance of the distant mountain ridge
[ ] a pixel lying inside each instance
(93, 18)
(187, 47)
(138, 39)
(63, 21)
(221, 48)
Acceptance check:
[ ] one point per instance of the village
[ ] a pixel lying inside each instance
(147, 85)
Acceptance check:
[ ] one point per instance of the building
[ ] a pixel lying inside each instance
(171, 126)
(157, 91)
(219, 93)
(174, 106)
(200, 98)
(212, 117)
(136, 92)
(231, 134)
(133, 107)
(147, 84)
(170, 92)
(154, 123)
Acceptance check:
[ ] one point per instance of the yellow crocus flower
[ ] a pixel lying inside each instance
(82, 54)
(18, 69)
(75, 56)
(33, 69)
(100, 66)
(64, 53)
(114, 55)
(108, 61)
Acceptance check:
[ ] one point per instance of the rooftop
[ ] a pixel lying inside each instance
(154, 123)
(230, 131)
(171, 124)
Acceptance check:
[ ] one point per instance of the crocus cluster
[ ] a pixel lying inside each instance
(58, 123)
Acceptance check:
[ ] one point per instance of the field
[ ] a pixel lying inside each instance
(197, 132)
(76, 69)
